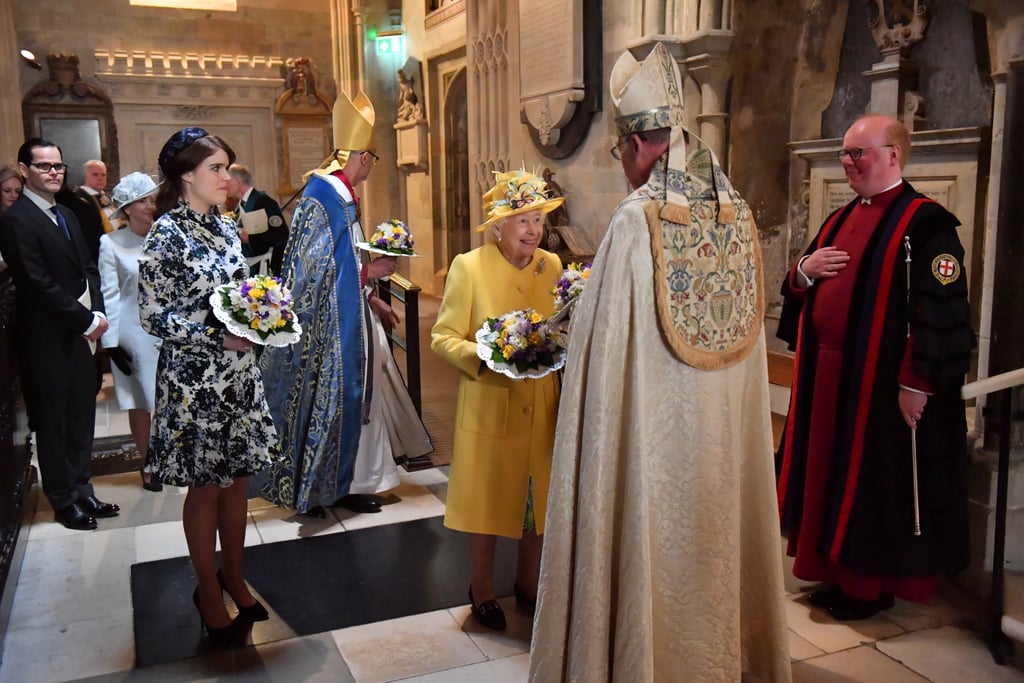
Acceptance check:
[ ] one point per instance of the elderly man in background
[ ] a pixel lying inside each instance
(883, 342)
(662, 559)
(259, 217)
(94, 190)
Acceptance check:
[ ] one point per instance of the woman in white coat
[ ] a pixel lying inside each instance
(133, 352)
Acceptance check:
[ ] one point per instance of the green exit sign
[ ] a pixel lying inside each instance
(389, 45)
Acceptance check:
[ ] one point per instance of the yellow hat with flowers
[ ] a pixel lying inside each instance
(516, 192)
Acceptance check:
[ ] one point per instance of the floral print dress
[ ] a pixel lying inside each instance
(211, 422)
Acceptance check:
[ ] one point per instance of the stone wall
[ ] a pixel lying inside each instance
(259, 27)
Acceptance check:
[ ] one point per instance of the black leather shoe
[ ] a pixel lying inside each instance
(75, 517)
(825, 597)
(97, 508)
(489, 613)
(851, 609)
(421, 462)
(359, 502)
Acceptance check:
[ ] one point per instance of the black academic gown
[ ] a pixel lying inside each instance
(869, 507)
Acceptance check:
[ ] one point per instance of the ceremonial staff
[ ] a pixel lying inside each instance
(913, 430)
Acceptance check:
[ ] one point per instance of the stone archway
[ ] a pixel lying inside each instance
(456, 170)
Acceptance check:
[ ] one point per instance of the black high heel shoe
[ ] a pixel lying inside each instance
(150, 485)
(254, 612)
(489, 613)
(224, 636)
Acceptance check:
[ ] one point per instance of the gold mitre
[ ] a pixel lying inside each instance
(352, 121)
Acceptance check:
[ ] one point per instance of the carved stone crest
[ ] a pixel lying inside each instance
(895, 23)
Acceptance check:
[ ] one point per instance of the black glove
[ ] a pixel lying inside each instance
(121, 359)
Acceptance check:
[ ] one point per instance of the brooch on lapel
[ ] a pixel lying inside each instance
(540, 267)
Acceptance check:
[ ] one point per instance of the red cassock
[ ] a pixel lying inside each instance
(851, 358)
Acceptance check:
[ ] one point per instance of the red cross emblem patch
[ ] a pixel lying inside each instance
(946, 268)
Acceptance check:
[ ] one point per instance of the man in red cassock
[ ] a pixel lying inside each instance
(877, 312)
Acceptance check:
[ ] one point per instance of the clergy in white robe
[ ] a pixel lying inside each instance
(662, 557)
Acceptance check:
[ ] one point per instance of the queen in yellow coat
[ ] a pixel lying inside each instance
(504, 428)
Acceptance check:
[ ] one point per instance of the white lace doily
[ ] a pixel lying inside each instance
(485, 347)
(241, 330)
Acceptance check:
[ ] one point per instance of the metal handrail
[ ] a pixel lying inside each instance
(397, 287)
(1001, 384)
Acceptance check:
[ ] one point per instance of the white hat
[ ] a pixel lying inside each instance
(648, 95)
(132, 188)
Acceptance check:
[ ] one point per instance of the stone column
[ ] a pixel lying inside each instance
(11, 125)
(707, 61)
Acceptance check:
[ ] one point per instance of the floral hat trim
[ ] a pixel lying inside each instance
(516, 192)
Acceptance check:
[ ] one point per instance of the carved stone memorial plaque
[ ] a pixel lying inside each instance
(559, 71)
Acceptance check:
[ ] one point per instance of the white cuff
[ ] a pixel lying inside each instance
(96, 317)
(809, 280)
(913, 390)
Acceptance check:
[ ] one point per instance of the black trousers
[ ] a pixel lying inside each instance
(63, 415)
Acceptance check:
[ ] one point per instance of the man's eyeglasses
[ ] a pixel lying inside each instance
(616, 150)
(375, 157)
(855, 153)
(46, 166)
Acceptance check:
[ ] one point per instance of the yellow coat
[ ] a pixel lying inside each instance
(504, 428)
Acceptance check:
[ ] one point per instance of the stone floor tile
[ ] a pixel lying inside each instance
(313, 659)
(415, 502)
(513, 669)
(63, 653)
(410, 646)
(858, 664)
(92, 554)
(821, 630)
(498, 644)
(948, 655)
(801, 649)
(275, 524)
(159, 542)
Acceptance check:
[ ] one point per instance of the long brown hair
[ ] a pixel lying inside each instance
(188, 159)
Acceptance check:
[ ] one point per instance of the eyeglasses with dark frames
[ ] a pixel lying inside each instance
(46, 166)
(856, 153)
(616, 150)
(375, 157)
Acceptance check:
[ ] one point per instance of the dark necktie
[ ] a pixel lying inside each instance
(61, 222)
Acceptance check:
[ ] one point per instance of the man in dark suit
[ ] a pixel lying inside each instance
(60, 317)
(266, 228)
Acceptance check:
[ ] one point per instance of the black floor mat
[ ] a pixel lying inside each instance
(318, 584)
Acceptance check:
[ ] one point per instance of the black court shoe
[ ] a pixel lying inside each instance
(254, 612)
(489, 613)
(232, 635)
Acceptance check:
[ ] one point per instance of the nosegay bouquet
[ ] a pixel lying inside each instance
(258, 309)
(391, 238)
(520, 345)
(570, 285)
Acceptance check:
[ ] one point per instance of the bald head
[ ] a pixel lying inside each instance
(95, 174)
(884, 146)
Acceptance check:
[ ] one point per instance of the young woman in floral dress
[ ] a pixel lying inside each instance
(211, 426)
